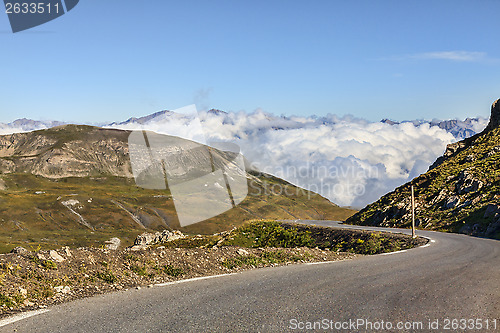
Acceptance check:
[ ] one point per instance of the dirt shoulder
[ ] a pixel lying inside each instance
(33, 280)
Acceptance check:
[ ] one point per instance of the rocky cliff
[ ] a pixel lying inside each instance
(66, 151)
(459, 193)
(81, 151)
(495, 116)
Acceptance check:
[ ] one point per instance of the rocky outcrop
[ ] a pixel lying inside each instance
(452, 202)
(467, 183)
(158, 237)
(495, 116)
(451, 150)
(147, 238)
(66, 151)
(19, 250)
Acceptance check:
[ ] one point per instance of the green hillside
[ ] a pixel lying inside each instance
(73, 186)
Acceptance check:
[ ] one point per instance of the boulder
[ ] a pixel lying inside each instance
(70, 202)
(243, 252)
(66, 251)
(452, 202)
(23, 292)
(62, 289)
(112, 244)
(467, 183)
(19, 250)
(491, 210)
(148, 238)
(55, 256)
(28, 303)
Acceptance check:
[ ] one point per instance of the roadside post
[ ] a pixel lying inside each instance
(413, 212)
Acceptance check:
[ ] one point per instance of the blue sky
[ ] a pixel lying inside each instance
(109, 60)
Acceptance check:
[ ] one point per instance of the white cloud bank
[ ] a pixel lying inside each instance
(350, 161)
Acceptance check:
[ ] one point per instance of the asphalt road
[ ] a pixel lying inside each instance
(456, 277)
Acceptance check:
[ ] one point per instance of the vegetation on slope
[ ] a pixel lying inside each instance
(32, 210)
(275, 234)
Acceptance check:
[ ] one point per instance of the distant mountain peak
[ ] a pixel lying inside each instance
(145, 119)
(458, 128)
(217, 112)
(30, 124)
(388, 121)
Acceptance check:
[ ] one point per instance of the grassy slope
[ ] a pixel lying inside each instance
(31, 219)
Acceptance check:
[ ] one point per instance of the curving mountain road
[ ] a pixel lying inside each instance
(455, 277)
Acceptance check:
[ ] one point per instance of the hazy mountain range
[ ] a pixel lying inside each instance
(458, 128)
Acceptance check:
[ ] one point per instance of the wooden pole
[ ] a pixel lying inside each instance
(412, 212)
